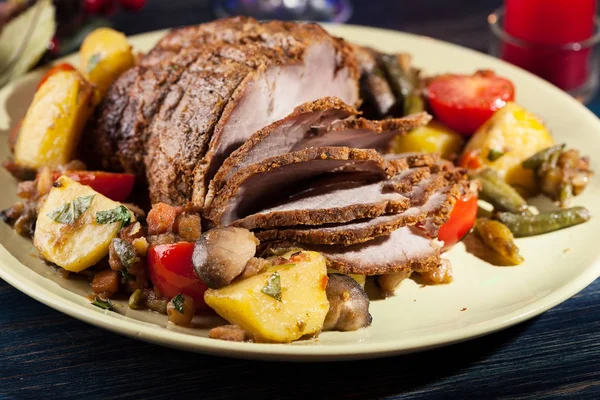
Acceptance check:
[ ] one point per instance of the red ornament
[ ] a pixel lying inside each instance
(54, 46)
(93, 6)
(132, 5)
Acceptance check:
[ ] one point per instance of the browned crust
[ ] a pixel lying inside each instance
(401, 125)
(424, 264)
(322, 216)
(421, 265)
(355, 158)
(350, 236)
(334, 214)
(405, 161)
(338, 108)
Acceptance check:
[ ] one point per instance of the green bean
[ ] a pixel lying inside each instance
(531, 225)
(413, 104)
(539, 158)
(498, 193)
(499, 238)
(399, 81)
(136, 300)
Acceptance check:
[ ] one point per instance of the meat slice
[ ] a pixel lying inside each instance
(336, 199)
(202, 91)
(269, 94)
(430, 216)
(362, 133)
(405, 249)
(347, 234)
(270, 180)
(280, 137)
(312, 125)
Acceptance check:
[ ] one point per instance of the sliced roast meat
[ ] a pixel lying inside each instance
(405, 249)
(347, 234)
(362, 133)
(429, 216)
(213, 86)
(268, 95)
(280, 137)
(253, 188)
(336, 199)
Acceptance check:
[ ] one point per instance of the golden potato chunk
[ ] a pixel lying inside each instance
(53, 124)
(105, 54)
(511, 136)
(67, 231)
(282, 304)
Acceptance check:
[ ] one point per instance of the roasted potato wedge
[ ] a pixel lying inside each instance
(507, 139)
(435, 137)
(52, 127)
(282, 304)
(105, 54)
(67, 232)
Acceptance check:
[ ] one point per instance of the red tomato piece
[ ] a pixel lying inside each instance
(56, 68)
(462, 219)
(171, 272)
(115, 186)
(471, 160)
(465, 102)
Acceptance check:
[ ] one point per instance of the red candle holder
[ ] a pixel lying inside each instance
(572, 67)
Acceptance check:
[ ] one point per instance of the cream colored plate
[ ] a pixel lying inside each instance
(557, 265)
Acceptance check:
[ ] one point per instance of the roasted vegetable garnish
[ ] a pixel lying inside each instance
(282, 304)
(561, 173)
(511, 136)
(498, 193)
(435, 137)
(531, 225)
(67, 232)
(499, 238)
(348, 305)
(53, 124)
(181, 310)
(104, 304)
(105, 54)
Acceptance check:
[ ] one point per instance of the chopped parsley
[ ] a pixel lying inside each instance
(125, 252)
(273, 286)
(92, 62)
(118, 214)
(103, 304)
(126, 276)
(69, 212)
(494, 154)
(178, 303)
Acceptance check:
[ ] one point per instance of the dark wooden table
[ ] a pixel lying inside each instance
(45, 354)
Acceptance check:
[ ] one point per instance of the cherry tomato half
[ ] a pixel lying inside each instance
(462, 219)
(171, 271)
(115, 186)
(56, 68)
(465, 102)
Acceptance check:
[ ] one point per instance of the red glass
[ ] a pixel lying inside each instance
(550, 21)
(547, 30)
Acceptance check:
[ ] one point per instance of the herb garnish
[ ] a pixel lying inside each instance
(125, 252)
(120, 213)
(103, 304)
(92, 62)
(69, 212)
(178, 303)
(494, 154)
(126, 276)
(273, 286)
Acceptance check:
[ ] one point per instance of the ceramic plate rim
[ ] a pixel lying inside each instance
(28, 282)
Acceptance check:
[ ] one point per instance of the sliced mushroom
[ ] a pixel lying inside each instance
(389, 282)
(348, 305)
(221, 254)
